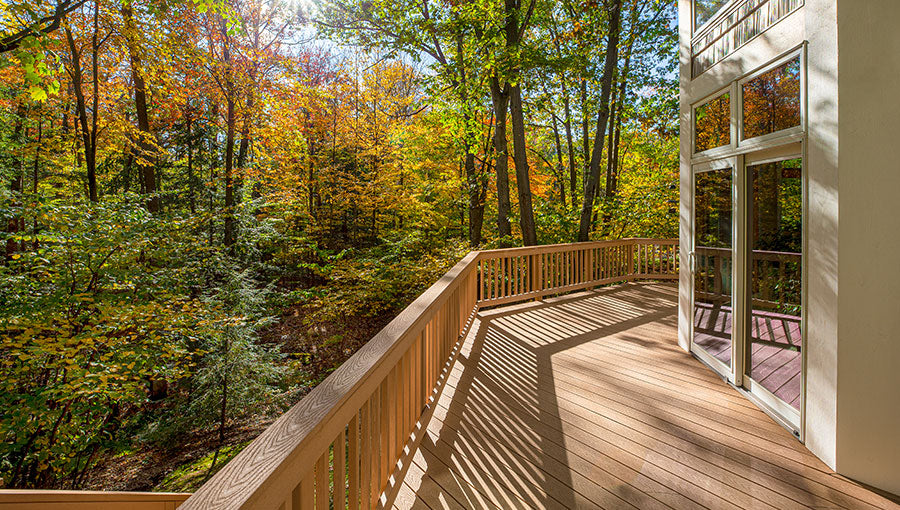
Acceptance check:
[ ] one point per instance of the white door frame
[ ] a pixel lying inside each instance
(725, 371)
(792, 418)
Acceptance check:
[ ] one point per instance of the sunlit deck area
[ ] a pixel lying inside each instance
(586, 401)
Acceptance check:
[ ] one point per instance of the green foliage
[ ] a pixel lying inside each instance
(235, 376)
(105, 306)
(189, 476)
(386, 278)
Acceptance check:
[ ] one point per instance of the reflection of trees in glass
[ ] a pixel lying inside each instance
(771, 102)
(705, 9)
(712, 222)
(712, 209)
(777, 221)
(712, 124)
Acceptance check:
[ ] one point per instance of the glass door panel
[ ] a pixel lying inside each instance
(713, 313)
(775, 239)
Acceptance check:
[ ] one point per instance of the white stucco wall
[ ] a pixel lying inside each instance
(868, 355)
(821, 165)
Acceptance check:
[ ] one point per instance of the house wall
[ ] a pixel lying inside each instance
(852, 411)
(821, 165)
(868, 354)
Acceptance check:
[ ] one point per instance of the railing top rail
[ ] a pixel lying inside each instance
(17, 496)
(551, 248)
(270, 466)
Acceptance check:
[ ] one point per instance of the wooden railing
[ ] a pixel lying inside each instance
(341, 446)
(518, 274)
(94, 500)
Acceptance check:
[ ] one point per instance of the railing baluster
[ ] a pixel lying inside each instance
(365, 450)
(353, 461)
(520, 263)
(339, 462)
(322, 486)
(304, 494)
(514, 276)
(378, 444)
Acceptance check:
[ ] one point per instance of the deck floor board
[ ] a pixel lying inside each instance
(586, 401)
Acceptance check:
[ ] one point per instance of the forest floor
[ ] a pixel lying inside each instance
(313, 350)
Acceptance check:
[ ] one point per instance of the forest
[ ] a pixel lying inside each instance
(207, 205)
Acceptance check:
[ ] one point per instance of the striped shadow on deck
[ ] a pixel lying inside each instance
(586, 401)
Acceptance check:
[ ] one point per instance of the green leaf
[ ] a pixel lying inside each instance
(37, 93)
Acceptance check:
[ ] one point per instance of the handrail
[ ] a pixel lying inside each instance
(362, 412)
(340, 445)
(95, 500)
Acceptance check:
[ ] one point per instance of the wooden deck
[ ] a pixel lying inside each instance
(586, 401)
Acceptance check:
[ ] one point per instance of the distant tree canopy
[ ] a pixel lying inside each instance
(166, 165)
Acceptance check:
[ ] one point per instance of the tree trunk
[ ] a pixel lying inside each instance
(559, 162)
(615, 128)
(585, 132)
(523, 179)
(146, 155)
(87, 139)
(190, 161)
(609, 68)
(17, 183)
(476, 200)
(500, 101)
(476, 182)
(613, 102)
(35, 175)
(573, 176)
(229, 139)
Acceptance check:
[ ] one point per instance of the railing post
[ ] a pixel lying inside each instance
(589, 256)
(534, 267)
(631, 269)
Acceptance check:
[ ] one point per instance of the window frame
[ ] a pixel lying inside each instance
(789, 134)
(770, 140)
(721, 149)
(698, 30)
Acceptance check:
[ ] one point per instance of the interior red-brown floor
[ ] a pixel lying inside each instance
(775, 353)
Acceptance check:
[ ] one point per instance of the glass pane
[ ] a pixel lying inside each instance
(705, 9)
(712, 275)
(712, 124)
(776, 236)
(771, 102)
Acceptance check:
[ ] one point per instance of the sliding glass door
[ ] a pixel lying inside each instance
(746, 255)
(774, 219)
(746, 263)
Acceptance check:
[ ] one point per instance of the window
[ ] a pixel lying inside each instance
(706, 9)
(712, 124)
(771, 101)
